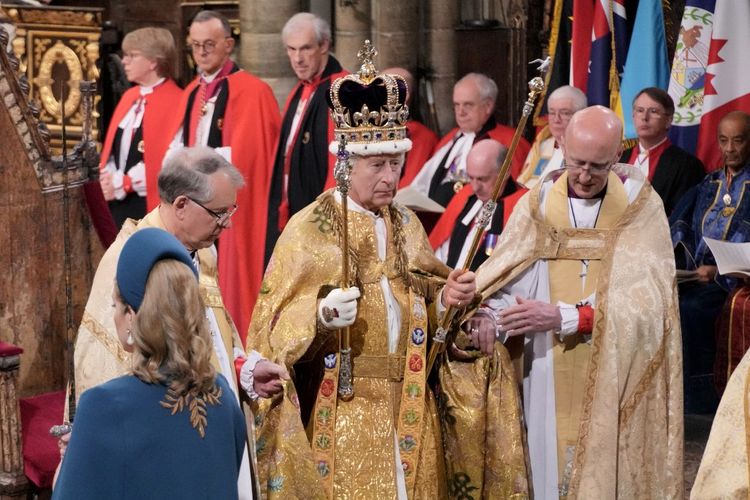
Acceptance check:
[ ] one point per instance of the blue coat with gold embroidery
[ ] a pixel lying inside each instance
(706, 210)
(125, 444)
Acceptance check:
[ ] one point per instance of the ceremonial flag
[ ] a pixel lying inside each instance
(603, 78)
(646, 64)
(727, 85)
(558, 73)
(580, 49)
(688, 72)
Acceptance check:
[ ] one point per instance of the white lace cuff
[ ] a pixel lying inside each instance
(137, 174)
(246, 374)
(569, 323)
(118, 185)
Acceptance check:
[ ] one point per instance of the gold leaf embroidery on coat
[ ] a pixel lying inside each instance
(196, 403)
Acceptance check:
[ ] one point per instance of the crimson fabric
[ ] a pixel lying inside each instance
(503, 135)
(99, 212)
(159, 121)
(732, 335)
(423, 141)
(7, 350)
(251, 127)
(653, 157)
(444, 226)
(206, 93)
(40, 452)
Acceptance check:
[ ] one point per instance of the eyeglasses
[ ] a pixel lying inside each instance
(563, 114)
(575, 167)
(649, 111)
(208, 46)
(221, 217)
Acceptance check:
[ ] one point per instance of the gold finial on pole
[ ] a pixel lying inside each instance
(440, 340)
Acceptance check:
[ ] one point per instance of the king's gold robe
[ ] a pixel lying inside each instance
(357, 457)
(629, 426)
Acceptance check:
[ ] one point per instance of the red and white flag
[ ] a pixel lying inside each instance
(727, 86)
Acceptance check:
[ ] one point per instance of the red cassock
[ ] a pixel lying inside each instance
(159, 120)
(423, 141)
(251, 127)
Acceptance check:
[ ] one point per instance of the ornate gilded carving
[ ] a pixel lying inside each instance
(59, 53)
(54, 45)
(83, 18)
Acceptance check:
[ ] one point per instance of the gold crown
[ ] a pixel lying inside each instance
(369, 109)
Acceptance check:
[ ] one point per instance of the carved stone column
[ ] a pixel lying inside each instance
(353, 27)
(13, 482)
(395, 33)
(441, 18)
(261, 50)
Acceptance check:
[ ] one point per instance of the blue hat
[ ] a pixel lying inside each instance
(142, 250)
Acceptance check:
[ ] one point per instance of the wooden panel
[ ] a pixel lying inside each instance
(32, 292)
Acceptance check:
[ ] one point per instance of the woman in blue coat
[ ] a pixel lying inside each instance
(173, 428)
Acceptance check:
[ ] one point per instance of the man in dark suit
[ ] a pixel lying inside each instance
(670, 169)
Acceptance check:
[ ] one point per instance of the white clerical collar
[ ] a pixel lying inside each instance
(210, 78)
(354, 206)
(147, 89)
(643, 150)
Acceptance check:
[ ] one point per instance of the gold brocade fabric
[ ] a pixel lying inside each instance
(571, 357)
(480, 409)
(723, 472)
(305, 265)
(536, 155)
(99, 356)
(630, 436)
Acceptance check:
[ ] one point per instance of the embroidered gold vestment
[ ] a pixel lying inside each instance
(724, 471)
(357, 458)
(629, 439)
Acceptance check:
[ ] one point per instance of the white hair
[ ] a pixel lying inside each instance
(304, 19)
(569, 92)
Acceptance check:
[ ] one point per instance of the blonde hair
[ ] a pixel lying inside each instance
(156, 44)
(170, 332)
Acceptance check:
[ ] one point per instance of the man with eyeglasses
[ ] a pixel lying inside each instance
(303, 168)
(672, 171)
(581, 288)
(444, 174)
(236, 113)
(546, 154)
(198, 190)
(718, 208)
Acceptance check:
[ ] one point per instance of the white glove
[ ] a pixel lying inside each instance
(137, 174)
(339, 308)
(117, 184)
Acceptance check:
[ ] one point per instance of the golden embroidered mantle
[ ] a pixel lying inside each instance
(630, 442)
(305, 265)
(99, 356)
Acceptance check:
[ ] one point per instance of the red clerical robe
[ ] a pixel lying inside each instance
(157, 108)
(423, 141)
(250, 126)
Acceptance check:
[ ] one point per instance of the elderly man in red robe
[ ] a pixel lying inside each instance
(236, 113)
